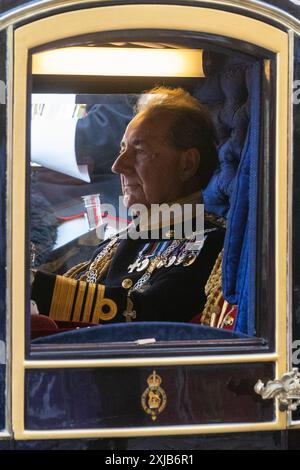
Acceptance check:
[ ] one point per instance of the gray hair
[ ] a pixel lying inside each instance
(191, 124)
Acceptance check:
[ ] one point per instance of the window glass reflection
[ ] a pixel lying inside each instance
(74, 142)
(187, 149)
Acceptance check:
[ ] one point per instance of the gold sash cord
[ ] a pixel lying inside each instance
(217, 311)
(101, 267)
(211, 313)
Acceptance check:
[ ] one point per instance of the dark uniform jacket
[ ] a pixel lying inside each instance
(174, 293)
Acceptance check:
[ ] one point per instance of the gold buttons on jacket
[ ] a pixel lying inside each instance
(127, 283)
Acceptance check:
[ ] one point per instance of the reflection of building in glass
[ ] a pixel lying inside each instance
(73, 146)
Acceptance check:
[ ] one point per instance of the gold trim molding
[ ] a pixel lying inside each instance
(29, 12)
(149, 431)
(151, 361)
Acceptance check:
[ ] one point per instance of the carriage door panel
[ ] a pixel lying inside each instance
(137, 390)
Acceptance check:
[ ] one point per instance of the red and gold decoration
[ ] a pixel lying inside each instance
(217, 311)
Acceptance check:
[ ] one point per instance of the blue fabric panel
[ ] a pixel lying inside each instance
(233, 97)
(240, 243)
(243, 287)
(236, 225)
(246, 317)
(226, 95)
(118, 332)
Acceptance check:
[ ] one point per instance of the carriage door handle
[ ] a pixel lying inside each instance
(286, 390)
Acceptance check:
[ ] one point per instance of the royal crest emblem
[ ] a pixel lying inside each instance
(154, 398)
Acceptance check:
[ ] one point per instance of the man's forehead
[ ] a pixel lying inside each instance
(141, 128)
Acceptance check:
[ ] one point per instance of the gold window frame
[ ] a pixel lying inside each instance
(126, 17)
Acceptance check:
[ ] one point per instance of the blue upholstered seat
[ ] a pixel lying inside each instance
(119, 332)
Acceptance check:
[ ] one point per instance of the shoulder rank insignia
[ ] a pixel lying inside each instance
(154, 398)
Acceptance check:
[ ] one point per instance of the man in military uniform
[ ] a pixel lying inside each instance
(167, 155)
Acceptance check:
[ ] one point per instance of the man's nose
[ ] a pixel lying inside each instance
(123, 163)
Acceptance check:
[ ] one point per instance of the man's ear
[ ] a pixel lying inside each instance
(189, 162)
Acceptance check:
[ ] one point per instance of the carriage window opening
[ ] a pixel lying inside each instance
(74, 141)
(95, 155)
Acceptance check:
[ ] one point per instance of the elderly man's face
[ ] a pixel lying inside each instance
(149, 165)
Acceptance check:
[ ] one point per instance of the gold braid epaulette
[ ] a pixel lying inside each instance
(213, 291)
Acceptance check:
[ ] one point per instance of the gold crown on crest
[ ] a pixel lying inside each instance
(154, 380)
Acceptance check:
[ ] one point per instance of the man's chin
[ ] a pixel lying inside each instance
(126, 200)
(130, 201)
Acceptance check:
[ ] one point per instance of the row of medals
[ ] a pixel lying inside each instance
(180, 255)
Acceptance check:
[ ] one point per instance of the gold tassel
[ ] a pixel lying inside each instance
(213, 291)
